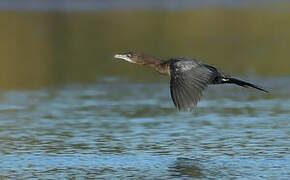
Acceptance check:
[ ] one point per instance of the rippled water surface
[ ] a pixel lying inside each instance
(126, 130)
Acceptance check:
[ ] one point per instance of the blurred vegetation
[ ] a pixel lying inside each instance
(48, 48)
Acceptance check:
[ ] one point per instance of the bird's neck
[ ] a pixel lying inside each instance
(158, 64)
(163, 68)
(151, 61)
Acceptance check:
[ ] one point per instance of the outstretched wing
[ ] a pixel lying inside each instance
(188, 79)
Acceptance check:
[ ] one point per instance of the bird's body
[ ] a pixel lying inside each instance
(189, 77)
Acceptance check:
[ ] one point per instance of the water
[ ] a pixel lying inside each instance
(117, 129)
(101, 5)
(65, 115)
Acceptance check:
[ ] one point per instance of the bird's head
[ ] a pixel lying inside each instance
(135, 57)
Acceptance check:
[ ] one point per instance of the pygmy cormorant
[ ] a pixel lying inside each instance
(189, 77)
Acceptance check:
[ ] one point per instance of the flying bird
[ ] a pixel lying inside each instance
(188, 77)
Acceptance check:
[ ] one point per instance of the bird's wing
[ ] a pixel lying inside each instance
(188, 79)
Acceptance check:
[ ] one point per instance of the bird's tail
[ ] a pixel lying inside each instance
(230, 80)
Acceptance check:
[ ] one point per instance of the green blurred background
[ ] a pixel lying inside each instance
(41, 48)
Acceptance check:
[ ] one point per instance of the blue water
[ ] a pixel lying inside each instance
(125, 130)
(101, 5)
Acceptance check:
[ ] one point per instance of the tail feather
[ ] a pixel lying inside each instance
(239, 82)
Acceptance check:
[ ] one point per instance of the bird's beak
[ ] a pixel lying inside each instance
(124, 57)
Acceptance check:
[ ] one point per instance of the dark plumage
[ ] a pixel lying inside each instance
(189, 77)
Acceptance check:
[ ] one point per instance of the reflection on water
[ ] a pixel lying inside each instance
(122, 130)
(186, 167)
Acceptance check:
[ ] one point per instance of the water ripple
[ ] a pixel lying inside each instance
(126, 131)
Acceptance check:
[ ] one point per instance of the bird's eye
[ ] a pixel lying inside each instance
(129, 55)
